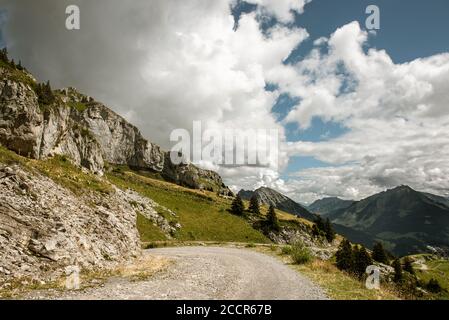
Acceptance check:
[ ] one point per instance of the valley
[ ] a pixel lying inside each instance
(80, 186)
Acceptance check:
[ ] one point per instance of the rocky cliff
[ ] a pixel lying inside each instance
(85, 130)
(56, 209)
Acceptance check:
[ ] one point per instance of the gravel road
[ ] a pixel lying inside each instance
(210, 273)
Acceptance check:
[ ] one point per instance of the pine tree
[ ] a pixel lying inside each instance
(237, 206)
(362, 260)
(397, 270)
(329, 231)
(319, 223)
(254, 205)
(4, 55)
(272, 219)
(408, 266)
(315, 231)
(344, 256)
(45, 94)
(379, 253)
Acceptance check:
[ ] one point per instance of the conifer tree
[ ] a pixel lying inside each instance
(319, 223)
(397, 270)
(362, 260)
(379, 253)
(272, 219)
(344, 256)
(408, 266)
(4, 55)
(237, 206)
(329, 231)
(254, 205)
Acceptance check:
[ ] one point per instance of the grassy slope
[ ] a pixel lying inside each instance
(337, 284)
(203, 215)
(430, 268)
(60, 170)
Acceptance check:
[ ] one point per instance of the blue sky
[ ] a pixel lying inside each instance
(367, 147)
(409, 30)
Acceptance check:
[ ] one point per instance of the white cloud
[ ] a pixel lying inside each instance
(162, 64)
(281, 9)
(396, 114)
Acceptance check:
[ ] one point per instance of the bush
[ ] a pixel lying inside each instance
(434, 286)
(286, 250)
(300, 253)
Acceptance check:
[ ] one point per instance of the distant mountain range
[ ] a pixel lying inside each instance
(405, 220)
(267, 196)
(327, 205)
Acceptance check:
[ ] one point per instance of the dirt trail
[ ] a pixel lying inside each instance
(209, 273)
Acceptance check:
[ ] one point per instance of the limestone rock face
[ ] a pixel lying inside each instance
(45, 227)
(191, 176)
(88, 132)
(21, 122)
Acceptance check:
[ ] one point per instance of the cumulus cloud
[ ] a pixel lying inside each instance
(396, 115)
(162, 64)
(283, 10)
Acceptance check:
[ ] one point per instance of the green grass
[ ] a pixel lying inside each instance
(18, 75)
(81, 107)
(437, 269)
(148, 231)
(203, 215)
(300, 254)
(61, 170)
(337, 284)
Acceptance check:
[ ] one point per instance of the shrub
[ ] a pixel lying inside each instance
(300, 253)
(286, 250)
(434, 286)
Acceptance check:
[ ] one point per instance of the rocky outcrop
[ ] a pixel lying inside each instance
(88, 132)
(45, 227)
(191, 176)
(270, 197)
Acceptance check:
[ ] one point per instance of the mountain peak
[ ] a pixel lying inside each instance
(268, 196)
